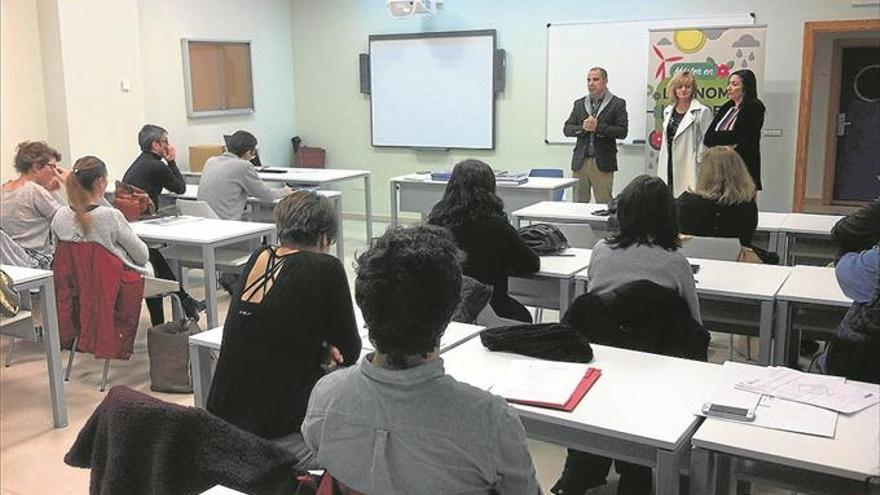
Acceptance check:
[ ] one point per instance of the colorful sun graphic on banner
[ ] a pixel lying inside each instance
(689, 40)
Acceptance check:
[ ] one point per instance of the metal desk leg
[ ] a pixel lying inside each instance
(52, 346)
(200, 361)
(780, 341)
(368, 207)
(666, 473)
(710, 473)
(765, 333)
(574, 191)
(566, 289)
(394, 203)
(340, 232)
(783, 243)
(210, 276)
(773, 242)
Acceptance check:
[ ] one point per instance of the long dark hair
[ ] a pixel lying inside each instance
(749, 83)
(80, 184)
(646, 212)
(469, 196)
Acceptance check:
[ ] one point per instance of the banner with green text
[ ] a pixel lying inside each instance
(711, 55)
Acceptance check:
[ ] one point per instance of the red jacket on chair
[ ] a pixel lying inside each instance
(98, 297)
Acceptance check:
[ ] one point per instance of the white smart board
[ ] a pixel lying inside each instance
(433, 90)
(621, 47)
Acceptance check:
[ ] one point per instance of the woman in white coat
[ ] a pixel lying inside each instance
(685, 122)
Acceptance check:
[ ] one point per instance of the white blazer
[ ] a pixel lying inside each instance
(687, 146)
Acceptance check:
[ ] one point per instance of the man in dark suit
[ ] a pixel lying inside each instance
(598, 120)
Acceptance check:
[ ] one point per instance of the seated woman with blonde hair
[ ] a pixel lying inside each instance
(723, 202)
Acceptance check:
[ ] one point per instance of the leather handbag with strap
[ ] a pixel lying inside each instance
(10, 300)
(168, 349)
(133, 202)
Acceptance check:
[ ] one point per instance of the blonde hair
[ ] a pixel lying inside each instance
(723, 177)
(80, 184)
(679, 80)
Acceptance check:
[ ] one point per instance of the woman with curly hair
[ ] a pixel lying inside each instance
(474, 214)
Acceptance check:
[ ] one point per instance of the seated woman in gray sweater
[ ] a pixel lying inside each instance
(88, 218)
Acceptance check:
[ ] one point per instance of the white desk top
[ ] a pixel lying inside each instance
(199, 231)
(455, 334)
(565, 266)
(192, 192)
(769, 221)
(221, 490)
(813, 284)
(853, 453)
(642, 397)
(304, 175)
(22, 275)
(539, 183)
(563, 211)
(805, 223)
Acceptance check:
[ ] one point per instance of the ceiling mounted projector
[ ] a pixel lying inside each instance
(409, 8)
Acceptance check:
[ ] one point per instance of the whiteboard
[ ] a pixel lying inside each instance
(433, 90)
(621, 48)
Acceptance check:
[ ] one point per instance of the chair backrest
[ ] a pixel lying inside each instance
(549, 172)
(712, 248)
(195, 208)
(579, 235)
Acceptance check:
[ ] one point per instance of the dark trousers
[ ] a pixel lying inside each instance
(163, 271)
(583, 471)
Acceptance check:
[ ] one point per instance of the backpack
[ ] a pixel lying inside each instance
(543, 238)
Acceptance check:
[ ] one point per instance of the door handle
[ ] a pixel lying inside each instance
(842, 123)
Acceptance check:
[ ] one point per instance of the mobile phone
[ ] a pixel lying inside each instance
(728, 412)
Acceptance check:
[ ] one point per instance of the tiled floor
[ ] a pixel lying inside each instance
(32, 452)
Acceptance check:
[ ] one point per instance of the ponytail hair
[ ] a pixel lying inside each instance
(81, 184)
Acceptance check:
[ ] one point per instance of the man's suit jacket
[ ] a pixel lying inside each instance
(612, 125)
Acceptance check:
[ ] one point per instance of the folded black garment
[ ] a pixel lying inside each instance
(551, 341)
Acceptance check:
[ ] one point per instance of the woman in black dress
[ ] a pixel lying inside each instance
(738, 122)
(474, 214)
(292, 318)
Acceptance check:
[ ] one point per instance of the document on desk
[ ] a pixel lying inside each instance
(828, 392)
(175, 220)
(551, 384)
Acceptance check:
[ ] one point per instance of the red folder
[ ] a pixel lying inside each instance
(580, 391)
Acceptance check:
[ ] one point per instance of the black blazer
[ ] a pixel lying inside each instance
(745, 134)
(704, 217)
(612, 125)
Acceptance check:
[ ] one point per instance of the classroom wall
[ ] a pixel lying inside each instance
(331, 113)
(22, 103)
(266, 23)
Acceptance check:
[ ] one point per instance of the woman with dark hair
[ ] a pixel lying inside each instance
(474, 215)
(292, 317)
(28, 202)
(89, 218)
(738, 122)
(646, 248)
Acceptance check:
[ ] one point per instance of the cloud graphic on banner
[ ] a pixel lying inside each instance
(714, 34)
(746, 41)
(664, 42)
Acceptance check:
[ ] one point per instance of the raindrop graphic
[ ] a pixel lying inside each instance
(739, 53)
(752, 57)
(744, 63)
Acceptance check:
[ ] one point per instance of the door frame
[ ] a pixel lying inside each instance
(811, 32)
(833, 109)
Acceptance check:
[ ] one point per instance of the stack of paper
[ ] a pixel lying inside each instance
(552, 384)
(819, 390)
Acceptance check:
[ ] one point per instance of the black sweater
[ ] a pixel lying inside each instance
(151, 174)
(701, 216)
(859, 230)
(493, 251)
(745, 134)
(272, 351)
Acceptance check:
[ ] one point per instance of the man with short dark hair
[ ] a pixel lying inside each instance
(396, 423)
(597, 120)
(229, 179)
(153, 170)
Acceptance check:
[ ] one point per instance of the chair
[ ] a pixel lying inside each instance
(549, 172)
(196, 208)
(712, 248)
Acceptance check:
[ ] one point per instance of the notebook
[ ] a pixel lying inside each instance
(549, 384)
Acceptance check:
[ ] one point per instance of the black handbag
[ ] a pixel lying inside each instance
(543, 238)
(168, 348)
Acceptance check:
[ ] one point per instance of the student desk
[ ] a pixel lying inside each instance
(25, 279)
(806, 236)
(419, 193)
(810, 288)
(553, 285)
(799, 462)
(749, 285)
(208, 235)
(319, 177)
(641, 409)
(201, 345)
(263, 210)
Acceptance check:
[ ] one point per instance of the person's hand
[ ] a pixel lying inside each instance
(54, 184)
(63, 173)
(590, 124)
(335, 358)
(170, 153)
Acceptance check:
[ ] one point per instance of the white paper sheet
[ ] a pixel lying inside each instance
(819, 390)
(540, 381)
